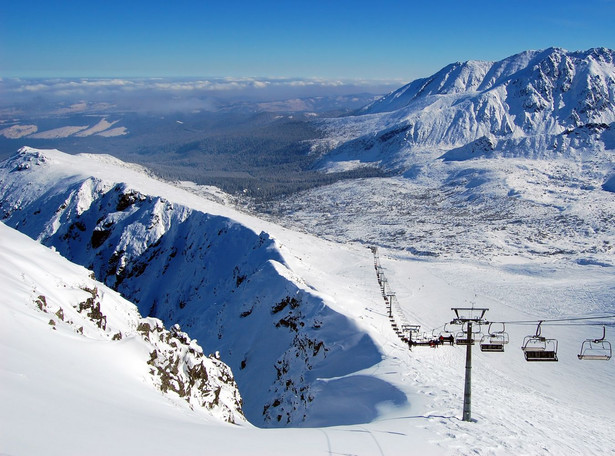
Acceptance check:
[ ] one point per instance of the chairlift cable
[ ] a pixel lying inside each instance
(554, 320)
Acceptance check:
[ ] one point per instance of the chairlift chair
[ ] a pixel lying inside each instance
(596, 349)
(494, 341)
(462, 339)
(462, 336)
(446, 332)
(538, 347)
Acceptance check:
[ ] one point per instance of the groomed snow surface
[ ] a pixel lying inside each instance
(65, 393)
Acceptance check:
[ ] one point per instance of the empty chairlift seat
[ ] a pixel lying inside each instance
(596, 349)
(538, 347)
(494, 341)
(461, 338)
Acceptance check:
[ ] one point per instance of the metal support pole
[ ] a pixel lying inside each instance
(467, 316)
(467, 391)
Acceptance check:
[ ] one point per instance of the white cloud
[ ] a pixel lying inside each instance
(213, 84)
(69, 96)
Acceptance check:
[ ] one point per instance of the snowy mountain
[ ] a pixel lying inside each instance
(224, 283)
(534, 104)
(266, 297)
(485, 159)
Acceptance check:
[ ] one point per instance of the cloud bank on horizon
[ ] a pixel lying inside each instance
(70, 85)
(81, 95)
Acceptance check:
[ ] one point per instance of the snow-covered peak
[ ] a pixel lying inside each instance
(553, 66)
(455, 78)
(536, 104)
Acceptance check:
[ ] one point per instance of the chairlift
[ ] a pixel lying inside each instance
(462, 336)
(596, 349)
(411, 328)
(409, 332)
(494, 341)
(538, 347)
(446, 336)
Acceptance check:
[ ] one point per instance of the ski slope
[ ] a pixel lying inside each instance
(518, 407)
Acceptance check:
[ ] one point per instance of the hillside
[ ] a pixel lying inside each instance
(69, 344)
(382, 397)
(187, 260)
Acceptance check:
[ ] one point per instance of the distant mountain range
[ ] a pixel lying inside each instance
(534, 104)
(514, 157)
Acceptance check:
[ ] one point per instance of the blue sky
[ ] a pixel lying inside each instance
(340, 39)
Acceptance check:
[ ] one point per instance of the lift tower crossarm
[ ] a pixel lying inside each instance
(475, 314)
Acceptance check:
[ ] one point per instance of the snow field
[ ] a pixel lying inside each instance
(520, 408)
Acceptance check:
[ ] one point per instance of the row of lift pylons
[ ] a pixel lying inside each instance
(536, 347)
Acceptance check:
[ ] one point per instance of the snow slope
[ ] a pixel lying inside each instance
(69, 388)
(72, 348)
(193, 262)
(520, 408)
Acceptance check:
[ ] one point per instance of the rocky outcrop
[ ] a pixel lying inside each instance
(177, 365)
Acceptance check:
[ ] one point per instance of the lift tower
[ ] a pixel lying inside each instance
(466, 316)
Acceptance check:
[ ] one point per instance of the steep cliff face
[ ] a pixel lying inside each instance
(76, 307)
(534, 104)
(222, 282)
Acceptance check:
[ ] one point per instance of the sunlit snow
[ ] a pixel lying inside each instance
(518, 407)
